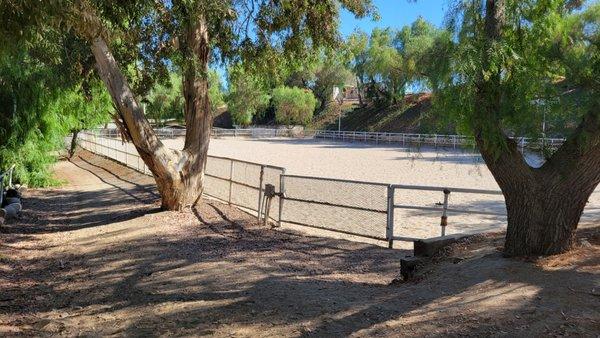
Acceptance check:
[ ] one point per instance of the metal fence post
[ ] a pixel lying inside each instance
(444, 220)
(389, 230)
(230, 181)
(260, 191)
(281, 195)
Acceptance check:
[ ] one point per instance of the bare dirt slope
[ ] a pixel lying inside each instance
(96, 257)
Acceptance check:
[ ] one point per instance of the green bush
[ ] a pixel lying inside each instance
(293, 105)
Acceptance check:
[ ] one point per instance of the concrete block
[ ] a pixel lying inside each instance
(409, 265)
(429, 247)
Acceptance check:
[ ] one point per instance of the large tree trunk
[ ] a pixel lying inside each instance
(198, 115)
(544, 205)
(543, 214)
(178, 174)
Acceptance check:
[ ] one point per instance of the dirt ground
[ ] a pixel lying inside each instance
(97, 257)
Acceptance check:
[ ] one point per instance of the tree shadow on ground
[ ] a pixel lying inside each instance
(170, 273)
(221, 275)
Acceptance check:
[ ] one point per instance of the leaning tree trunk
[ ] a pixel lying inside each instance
(178, 174)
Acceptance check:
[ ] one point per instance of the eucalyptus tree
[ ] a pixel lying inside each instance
(513, 62)
(191, 34)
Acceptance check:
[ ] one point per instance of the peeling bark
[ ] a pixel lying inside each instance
(178, 174)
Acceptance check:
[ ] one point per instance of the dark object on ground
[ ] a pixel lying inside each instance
(429, 247)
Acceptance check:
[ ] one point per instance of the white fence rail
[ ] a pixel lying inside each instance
(405, 139)
(216, 132)
(380, 211)
(426, 139)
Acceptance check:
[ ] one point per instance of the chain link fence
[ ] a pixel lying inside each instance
(377, 211)
(236, 182)
(351, 207)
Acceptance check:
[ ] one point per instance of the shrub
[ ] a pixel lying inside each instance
(293, 105)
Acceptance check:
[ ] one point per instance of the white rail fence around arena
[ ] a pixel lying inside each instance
(426, 139)
(404, 139)
(379, 211)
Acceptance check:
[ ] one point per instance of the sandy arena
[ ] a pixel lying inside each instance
(385, 163)
(378, 163)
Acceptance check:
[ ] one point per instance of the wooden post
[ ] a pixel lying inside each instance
(1, 189)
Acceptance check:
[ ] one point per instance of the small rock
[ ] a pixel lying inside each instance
(584, 243)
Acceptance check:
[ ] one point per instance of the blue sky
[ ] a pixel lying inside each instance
(396, 14)
(392, 13)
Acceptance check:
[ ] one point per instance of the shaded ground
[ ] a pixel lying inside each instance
(97, 257)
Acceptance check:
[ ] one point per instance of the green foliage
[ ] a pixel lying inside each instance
(37, 111)
(389, 62)
(215, 91)
(293, 105)
(545, 66)
(165, 101)
(248, 95)
(331, 72)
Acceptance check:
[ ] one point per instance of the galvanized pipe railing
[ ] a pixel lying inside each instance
(111, 147)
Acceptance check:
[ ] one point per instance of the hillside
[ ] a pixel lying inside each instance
(409, 118)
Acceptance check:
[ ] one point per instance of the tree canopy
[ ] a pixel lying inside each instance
(389, 62)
